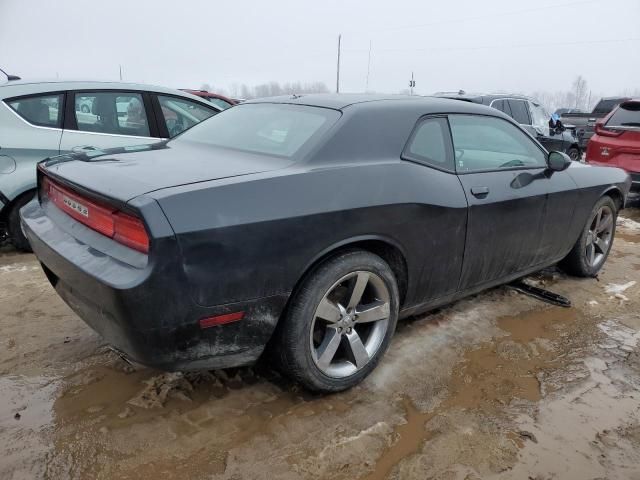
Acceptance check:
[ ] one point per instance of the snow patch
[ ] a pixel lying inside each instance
(628, 224)
(615, 288)
(18, 268)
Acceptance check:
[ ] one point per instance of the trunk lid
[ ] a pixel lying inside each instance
(127, 172)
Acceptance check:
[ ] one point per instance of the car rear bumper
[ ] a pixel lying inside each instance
(145, 311)
(635, 181)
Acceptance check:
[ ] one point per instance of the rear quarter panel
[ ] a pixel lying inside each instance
(245, 239)
(593, 182)
(26, 145)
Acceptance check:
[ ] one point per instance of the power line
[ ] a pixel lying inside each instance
(498, 46)
(479, 17)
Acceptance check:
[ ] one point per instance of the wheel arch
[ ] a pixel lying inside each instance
(4, 216)
(616, 195)
(386, 248)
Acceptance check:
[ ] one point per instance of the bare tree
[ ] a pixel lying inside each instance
(273, 88)
(579, 89)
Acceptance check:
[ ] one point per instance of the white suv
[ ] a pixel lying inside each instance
(43, 119)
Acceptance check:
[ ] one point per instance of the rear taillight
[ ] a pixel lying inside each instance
(130, 231)
(600, 129)
(122, 227)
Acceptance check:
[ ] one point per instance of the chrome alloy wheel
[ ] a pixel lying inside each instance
(599, 236)
(350, 324)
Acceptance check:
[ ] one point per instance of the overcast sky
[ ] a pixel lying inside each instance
(485, 45)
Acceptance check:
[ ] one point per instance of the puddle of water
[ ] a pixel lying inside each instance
(114, 423)
(25, 414)
(488, 378)
(599, 419)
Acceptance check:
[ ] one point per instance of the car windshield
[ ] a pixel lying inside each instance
(219, 102)
(271, 129)
(605, 106)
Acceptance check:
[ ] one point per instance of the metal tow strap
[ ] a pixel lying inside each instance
(541, 294)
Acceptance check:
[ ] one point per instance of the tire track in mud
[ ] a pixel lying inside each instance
(487, 379)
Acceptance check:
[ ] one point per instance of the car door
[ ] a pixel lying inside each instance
(110, 118)
(548, 137)
(502, 171)
(441, 233)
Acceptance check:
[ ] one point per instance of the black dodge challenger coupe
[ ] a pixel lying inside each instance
(308, 225)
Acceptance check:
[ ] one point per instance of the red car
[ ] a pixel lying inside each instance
(616, 142)
(218, 100)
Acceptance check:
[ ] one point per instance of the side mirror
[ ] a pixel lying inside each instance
(558, 161)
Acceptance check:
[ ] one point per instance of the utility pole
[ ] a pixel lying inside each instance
(338, 70)
(368, 68)
(120, 72)
(412, 83)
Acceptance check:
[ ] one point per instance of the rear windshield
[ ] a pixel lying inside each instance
(628, 115)
(605, 106)
(272, 129)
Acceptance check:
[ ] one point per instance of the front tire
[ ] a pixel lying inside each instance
(594, 244)
(339, 323)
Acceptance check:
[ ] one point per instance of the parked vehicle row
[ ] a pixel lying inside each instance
(584, 123)
(531, 115)
(616, 141)
(309, 225)
(44, 119)
(218, 100)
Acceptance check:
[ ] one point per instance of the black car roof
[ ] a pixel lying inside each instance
(341, 101)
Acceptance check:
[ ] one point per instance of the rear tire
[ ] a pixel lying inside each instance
(574, 154)
(590, 252)
(16, 237)
(340, 322)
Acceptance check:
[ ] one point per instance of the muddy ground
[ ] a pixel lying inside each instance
(497, 386)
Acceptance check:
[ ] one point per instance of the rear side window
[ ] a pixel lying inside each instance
(272, 129)
(628, 115)
(519, 111)
(116, 113)
(503, 106)
(180, 114)
(490, 143)
(41, 110)
(429, 144)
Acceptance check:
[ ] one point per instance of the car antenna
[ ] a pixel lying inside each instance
(10, 77)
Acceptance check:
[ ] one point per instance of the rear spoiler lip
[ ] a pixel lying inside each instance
(79, 189)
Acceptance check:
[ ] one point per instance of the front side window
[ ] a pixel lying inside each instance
(519, 111)
(428, 144)
(116, 113)
(41, 110)
(180, 114)
(489, 143)
(271, 129)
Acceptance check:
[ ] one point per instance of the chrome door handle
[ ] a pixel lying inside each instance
(480, 192)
